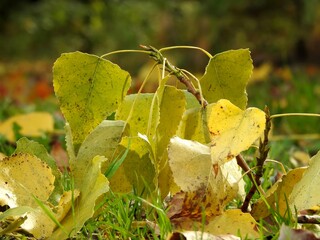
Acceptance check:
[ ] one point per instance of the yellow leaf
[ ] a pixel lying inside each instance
(305, 193)
(193, 172)
(22, 176)
(32, 124)
(233, 130)
(233, 221)
(277, 196)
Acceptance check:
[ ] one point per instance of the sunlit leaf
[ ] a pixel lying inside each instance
(226, 77)
(89, 89)
(305, 194)
(233, 130)
(32, 124)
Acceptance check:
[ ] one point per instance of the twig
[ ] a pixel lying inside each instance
(159, 58)
(263, 153)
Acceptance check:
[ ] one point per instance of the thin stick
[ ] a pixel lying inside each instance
(263, 150)
(123, 51)
(295, 114)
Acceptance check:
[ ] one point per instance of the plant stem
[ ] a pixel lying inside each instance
(295, 114)
(160, 59)
(263, 154)
(186, 47)
(124, 51)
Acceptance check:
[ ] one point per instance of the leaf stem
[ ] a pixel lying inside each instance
(186, 47)
(124, 51)
(295, 114)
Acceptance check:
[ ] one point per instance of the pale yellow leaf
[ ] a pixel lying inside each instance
(234, 222)
(305, 194)
(233, 130)
(277, 196)
(32, 124)
(193, 172)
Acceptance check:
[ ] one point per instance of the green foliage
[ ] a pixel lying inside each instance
(93, 78)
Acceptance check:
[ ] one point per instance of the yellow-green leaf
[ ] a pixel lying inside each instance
(137, 169)
(93, 185)
(194, 124)
(138, 106)
(89, 89)
(103, 141)
(233, 130)
(226, 77)
(32, 124)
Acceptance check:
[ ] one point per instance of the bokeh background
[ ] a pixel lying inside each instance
(283, 37)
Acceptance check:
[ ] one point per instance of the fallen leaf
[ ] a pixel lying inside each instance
(32, 124)
(234, 222)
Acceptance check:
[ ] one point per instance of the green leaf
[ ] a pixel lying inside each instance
(139, 107)
(172, 107)
(89, 89)
(93, 185)
(226, 77)
(103, 141)
(137, 169)
(194, 124)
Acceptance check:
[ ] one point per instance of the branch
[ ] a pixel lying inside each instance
(156, 55)
(263, 153)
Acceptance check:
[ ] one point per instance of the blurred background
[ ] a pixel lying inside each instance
(283, 37)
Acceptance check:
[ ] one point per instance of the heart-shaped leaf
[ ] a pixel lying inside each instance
(233, 130)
